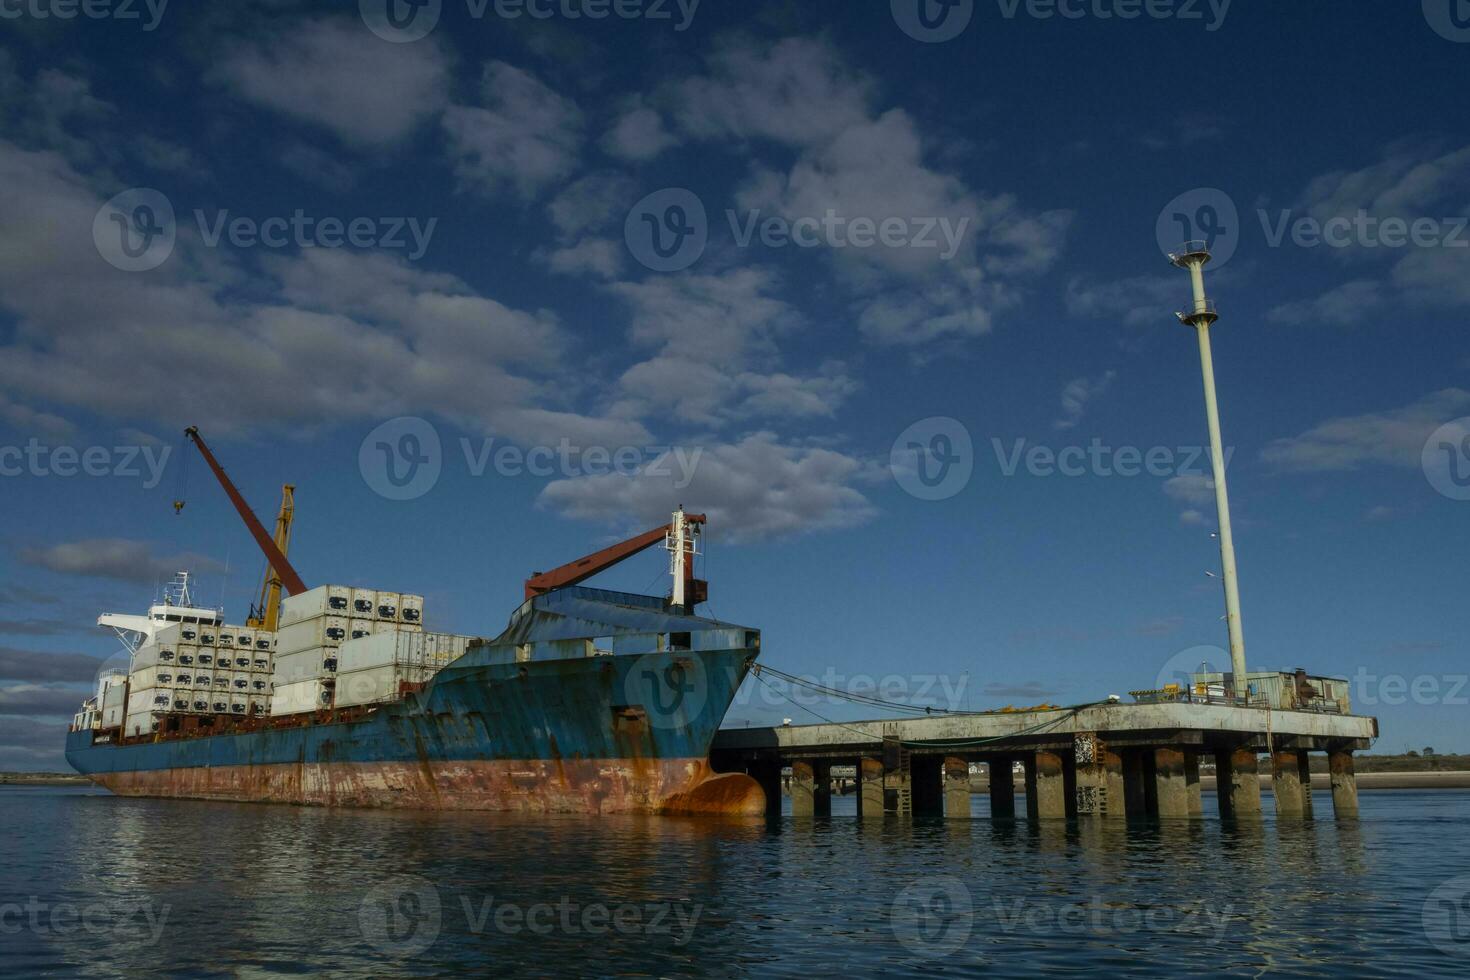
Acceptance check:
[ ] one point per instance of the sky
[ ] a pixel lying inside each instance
(881, 288)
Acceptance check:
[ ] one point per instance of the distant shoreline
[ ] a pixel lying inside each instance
(42, 779)
(1367, 781)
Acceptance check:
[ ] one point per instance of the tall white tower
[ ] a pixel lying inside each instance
(1193, 256)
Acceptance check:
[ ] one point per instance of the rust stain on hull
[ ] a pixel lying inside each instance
(681, 786)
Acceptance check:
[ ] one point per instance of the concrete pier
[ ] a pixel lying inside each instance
(1101, 761)
(1344, 782)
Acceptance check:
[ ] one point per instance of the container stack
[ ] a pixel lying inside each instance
(376, 668)
(192, 669)
(314, 627)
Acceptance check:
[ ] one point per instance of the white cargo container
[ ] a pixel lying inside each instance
(358, 628)
(203, 680)
(182, 698)
(433, 650)
(184, 679)
(261, 664)
(199, 700)
(259, 705)
(113, 717)
(387, 606)
(239, 703)
(386, 626)
(293, 699)
(240, 681)
(265, 641)
(312, 664)
(244, 636)
(364, 602)
(146, 700)
(208, 635)
(186, 656)
(324, 600)
(320, 632)
(411, 610)
(260, 684)
(375, 684)
(140, 723)
(219, 702)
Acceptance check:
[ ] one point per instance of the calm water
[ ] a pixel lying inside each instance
(96, 885)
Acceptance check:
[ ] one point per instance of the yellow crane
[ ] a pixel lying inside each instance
(266, 613)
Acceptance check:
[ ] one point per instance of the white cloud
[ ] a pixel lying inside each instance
(1346, 305)
(599, 257)
(1192, 488)
(1078, 393)
(522, 137)
(333, 73)
(114, 558)
(1137, 302)
(638, 134)
(329, 336)
(855, 162)
(1391, 438)
(755, 488)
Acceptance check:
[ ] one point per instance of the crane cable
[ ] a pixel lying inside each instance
(866, 699)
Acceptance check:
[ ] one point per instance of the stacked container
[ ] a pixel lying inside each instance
(314, 627)
(376, 668)
(194, 669)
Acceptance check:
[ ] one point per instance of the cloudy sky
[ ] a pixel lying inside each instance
(496, 284)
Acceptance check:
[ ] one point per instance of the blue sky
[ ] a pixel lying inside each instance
(346, 225)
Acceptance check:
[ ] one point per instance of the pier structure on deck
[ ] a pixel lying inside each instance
(1101, 761)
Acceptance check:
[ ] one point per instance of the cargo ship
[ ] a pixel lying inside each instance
(588, 701)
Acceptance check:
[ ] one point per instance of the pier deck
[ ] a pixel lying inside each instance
(1107, 760)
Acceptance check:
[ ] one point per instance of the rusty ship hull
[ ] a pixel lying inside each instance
(515, 724)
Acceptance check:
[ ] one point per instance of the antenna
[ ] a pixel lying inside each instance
(1193, 256)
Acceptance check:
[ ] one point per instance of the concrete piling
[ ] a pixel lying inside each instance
(1344, 782)
(1304, 776)
(1238, 782)
(1051, 787)
(803, 789)
(956, 787)
(1171, 780)
(870, 788)
(1002, 789)
(1286, 784)
(1100, 790)
(1028, 764)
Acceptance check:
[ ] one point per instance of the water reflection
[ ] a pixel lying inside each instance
(239, 888)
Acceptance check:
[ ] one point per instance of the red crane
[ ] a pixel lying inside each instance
(290, 581)
(695, 590)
